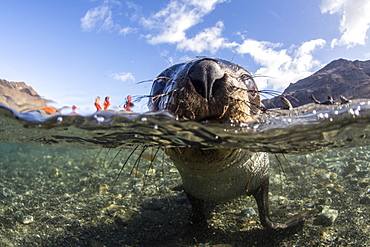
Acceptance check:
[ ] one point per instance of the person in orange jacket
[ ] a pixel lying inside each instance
(97, 103)
(129, 103)
(107, 103)
(50, 110)
(74, 111)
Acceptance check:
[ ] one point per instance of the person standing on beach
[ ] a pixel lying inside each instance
(129, 103)
(107, 103)
(97, 103)
(74, 111)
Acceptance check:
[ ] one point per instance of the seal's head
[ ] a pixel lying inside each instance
(206, 89)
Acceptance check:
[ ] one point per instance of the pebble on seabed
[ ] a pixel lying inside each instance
(8, 192)
(365, 200)
(27, 219)
(327, 216)
(21, 218)
(152, 204)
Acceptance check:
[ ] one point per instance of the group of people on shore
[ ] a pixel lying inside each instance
(106, 103)
(128, 104)
(49, 110)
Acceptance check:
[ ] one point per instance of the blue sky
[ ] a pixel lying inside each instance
(72, 51)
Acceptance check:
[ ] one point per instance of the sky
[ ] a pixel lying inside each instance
(73, 51)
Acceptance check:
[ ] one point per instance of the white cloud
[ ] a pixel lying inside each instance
(172, 22)
(355, 20)
(171, 25)
(127, 30)
(134, 10)
(209, 39)
(125, 77)
(100, 16)
(284, 66)
(168, 25)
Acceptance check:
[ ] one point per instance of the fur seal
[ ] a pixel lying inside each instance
(286, 105)
(215, 90)
(330, 100)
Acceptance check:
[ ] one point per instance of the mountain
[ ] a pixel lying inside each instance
(20, 97)
(340, 77)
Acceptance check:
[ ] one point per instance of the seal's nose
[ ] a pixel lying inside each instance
(206, 76)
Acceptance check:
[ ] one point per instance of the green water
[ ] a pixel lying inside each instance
(63, 196)
(102, 180)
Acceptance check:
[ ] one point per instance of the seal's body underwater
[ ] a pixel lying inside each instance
(208, 89)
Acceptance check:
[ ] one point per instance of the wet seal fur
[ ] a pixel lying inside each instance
(209, 89)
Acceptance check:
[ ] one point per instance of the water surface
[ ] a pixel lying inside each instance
(59, 182)
(305, 129)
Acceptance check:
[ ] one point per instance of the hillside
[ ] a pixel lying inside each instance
(20, 97)
(340, 77)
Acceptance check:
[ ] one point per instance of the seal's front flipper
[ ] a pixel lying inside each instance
(200, 210)
(178, 187)
(261, 196)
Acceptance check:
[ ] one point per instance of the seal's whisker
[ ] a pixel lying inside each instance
(135, 167)
(96, 156)
(157, 97)
(275, 106)
(261, 108)
(290, 167)
(162, 162)
(161, 77)
(150, 80)
(263, 93)
(167, 59)
(249, 104)
(153, 157)
(144, 81)
(269, 92)
(137, 98)
(280, 165)
(259, 76)
(291, 97)
(282, 170)
(110, 164)
(124, 164)
(106, 155)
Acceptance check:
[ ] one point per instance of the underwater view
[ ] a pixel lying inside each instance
(177, 123)
(103, 180)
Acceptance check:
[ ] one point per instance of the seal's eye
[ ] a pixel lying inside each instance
(250, 84)
(158, 85)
